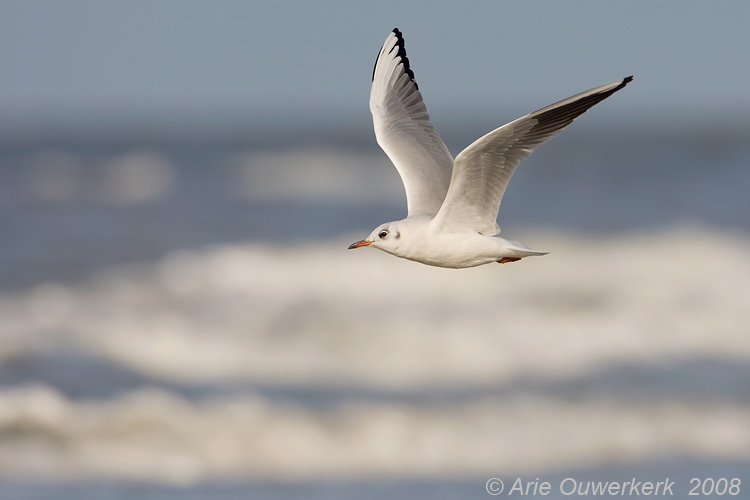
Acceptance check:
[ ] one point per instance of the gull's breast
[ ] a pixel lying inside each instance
(455, 250)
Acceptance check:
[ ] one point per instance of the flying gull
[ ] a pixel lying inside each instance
(453, 204)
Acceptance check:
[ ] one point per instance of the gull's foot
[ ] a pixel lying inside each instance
(508, 259)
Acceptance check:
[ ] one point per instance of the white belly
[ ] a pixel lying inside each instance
(456, 251)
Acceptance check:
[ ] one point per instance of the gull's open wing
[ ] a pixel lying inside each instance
(403, 130)
(481, 171)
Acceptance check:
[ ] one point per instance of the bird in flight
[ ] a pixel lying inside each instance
(453, 204)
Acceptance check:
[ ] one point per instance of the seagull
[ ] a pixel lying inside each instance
(453, 204)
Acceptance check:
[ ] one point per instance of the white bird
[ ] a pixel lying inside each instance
(453, 204)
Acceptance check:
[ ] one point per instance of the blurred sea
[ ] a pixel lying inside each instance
(183, 320)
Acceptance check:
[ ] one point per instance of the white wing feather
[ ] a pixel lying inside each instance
(403, 130)
(481, 171)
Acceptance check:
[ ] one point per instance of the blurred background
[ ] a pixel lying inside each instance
(179, 315)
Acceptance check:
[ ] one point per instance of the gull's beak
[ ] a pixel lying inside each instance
(362, 243)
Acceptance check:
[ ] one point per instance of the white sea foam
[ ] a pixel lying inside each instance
(137, 178)
(152, 435)
(317, 174)
(318, 315)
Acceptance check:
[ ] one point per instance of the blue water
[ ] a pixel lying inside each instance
(580, 181)
(70, 231)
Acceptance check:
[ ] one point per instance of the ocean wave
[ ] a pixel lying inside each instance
(384, 333)
(318, 313)
(151, 435)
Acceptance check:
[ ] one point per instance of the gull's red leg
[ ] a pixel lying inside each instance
(508, 259)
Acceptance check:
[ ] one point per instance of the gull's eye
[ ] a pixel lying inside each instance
(382, 234)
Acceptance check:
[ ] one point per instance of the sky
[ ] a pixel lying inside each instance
(91, 63)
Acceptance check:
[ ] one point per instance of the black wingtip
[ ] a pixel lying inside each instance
(624, 82)
(562, 115)
(396, 32)
(400, 53)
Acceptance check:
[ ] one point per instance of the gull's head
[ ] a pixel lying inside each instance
(386, 237)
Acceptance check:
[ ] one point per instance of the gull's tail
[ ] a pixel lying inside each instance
(520, 250)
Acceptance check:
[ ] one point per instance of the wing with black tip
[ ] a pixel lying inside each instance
(403, 130)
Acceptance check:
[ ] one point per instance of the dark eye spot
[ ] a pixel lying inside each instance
(383, 234)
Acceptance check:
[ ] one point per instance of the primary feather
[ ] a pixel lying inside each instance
(482, 171)
(404, 131)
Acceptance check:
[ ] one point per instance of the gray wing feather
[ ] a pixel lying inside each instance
(403, 130)
(482, 171)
